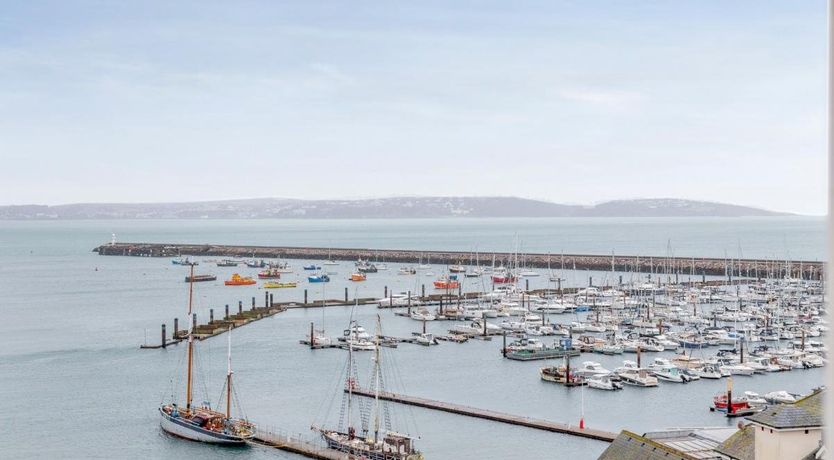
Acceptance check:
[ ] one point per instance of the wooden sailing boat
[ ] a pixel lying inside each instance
(376, 442)
(203, 423)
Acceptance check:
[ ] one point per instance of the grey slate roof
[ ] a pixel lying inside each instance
(740, 446)
(805, 413)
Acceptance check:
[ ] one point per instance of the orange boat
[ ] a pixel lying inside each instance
(446, 283)
(442, 284)
(238, 280)
(358, 277)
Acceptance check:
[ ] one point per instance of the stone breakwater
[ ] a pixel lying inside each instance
(751, 268)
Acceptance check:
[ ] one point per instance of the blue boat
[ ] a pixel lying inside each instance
(318, 278)
(311, 267)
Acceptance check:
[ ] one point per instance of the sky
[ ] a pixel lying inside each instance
(567, 101)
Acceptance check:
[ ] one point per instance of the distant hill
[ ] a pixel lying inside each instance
(401, 207)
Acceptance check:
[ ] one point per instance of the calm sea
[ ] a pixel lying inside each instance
(76, 385)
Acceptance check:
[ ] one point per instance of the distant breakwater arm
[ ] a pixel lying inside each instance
(695, 266)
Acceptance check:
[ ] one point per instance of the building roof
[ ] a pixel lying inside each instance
(698, 443)
(805, 413)
(631, 446)
(741, 445)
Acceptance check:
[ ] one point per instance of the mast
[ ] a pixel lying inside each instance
(229, 377)
(190, 341)
(376, 383)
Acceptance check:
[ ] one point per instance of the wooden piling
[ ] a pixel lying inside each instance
(164, 336)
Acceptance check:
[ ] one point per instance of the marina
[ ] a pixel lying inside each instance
(535, 305)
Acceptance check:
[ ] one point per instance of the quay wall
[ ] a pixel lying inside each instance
(659, 265)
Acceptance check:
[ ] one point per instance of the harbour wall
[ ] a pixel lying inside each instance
(749, 268)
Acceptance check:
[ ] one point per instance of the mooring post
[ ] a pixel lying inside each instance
(253, 302)
(305, 297)
(211, 315)
(193, 322)
(390, 298)
(176, 328)
(590, 281)
(346, 295)
(239, 307)
(271, 300)
(266, 300)
(703, 276)
(504, 348)
(527, 285)
(441, 304)
(424, 292)
(424, 325)
(312, 337)
(386, 292)
(164, 339)
(485, 325)
(227, 312)
(409, 304)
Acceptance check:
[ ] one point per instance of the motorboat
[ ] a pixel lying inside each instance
(311, 267)
(321, 278)
(358, 277)
(590, 368)
(708, 371)
(425, 339)
(630, 374)
(422, 314)
(446, 282)
(603, 382)
(664, 370)
(407, 271)
(780, 397)
(737, 369)
(560, 374)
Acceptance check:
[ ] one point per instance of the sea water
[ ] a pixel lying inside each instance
(76, 385)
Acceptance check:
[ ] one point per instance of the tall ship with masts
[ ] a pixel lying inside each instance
(202, 423)
(374, 438)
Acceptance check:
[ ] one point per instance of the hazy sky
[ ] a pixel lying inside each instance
(570, 101)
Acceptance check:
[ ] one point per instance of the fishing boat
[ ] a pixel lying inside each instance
(503, 277)
(200, 278)
(237, 280)
(375, 439)
(311, 267)
(252, 263)
(322, 278)
(367, 268)
(358, 277)
(457, 268)
(278, 285)
(407, 271)
(202, 423)
(446, 282)
(185, 261)
(270, 273)
(738, 404)
(228, 263)
(561, 374)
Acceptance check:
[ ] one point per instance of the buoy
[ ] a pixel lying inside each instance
(582, 423)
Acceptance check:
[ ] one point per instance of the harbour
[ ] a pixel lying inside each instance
(270, 356)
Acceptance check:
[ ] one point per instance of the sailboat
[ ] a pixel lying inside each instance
(202, 423)
(377, 441)
(330, 260)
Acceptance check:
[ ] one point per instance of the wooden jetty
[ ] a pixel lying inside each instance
(495, 416)
(218, 326)
(634, 263)
(296, 445)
